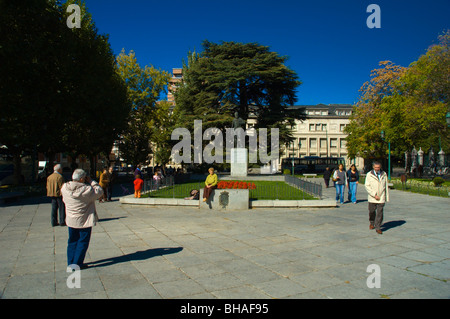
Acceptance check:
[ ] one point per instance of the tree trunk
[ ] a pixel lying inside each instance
(17, 168)
(93, 169)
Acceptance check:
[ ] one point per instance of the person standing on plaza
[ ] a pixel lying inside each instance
(112, 178)
(352, 182)
(80, 195)
(54, 183)
(210, 184)
(327, 176)
(378, 194)
(156, 180)
(138, 183)
(104, 183)
(137, 171)
(340, 178)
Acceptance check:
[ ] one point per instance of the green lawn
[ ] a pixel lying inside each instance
(264, 190)
(422, 186)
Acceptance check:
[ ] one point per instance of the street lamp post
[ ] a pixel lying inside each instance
(293, 150)
(389, 158)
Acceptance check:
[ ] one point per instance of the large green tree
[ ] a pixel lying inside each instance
(162, 124)
(100, 108)
(59, 91)
(408, 104)
(33, 54)
(232, 77)
(144, 87)
(364, 129)
(415, 114)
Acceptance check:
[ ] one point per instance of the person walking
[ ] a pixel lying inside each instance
(80, 198)
(340, 178)
(54, 183)
(377, 188)
(352, 182)
(210, 184)
(327, 176)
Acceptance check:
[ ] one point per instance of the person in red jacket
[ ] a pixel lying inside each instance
(138, 182)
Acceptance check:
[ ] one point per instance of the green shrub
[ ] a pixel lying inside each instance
(438, 181)
(286, 171)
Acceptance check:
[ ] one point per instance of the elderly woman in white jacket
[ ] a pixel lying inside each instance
(79, 199)
(378, 193)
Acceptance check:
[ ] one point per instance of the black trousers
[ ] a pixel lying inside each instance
(376, 214)
(57, 203)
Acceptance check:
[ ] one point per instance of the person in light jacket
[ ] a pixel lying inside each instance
(81, 215)
(378, 194)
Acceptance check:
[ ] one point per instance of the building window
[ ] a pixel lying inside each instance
(342, 127)
(324, 127)
(333, 143)
(343, 143)
(313, 143)
(302, 142)
(311, 127)
(323, 143)
(317, 127)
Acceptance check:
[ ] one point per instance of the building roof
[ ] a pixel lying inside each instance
(333, 109)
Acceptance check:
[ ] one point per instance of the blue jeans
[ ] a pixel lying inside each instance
(340, 192)
(77, 245)
(352, 191)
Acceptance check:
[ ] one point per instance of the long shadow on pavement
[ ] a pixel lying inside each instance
(392, 224)
(138, 255)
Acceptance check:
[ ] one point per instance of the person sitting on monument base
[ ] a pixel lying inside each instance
(210, 184)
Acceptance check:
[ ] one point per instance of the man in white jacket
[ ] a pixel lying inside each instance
(79, 199)
(378, 194)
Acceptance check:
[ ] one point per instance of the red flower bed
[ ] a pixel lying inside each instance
(235, 185)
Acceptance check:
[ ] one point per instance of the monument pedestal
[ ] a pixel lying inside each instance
(239, 162)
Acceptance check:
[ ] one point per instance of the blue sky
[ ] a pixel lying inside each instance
(328, 42)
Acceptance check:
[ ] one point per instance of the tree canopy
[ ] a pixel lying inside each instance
(408, 103)
(144, 87)
(59, 91)
(243, 77)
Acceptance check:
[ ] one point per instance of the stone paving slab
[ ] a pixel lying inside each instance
(186, 252)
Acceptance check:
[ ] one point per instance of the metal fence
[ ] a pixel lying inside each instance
(170, 187)
(311, 188)
(292, 189)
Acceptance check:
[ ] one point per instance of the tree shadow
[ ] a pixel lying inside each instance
(138, 255)
(392, 224)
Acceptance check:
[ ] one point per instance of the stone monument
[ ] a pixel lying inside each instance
(239, 155)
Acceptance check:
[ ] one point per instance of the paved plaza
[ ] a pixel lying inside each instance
(184, 252)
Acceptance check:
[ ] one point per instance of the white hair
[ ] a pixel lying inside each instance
(78, 174)
(57, 167)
